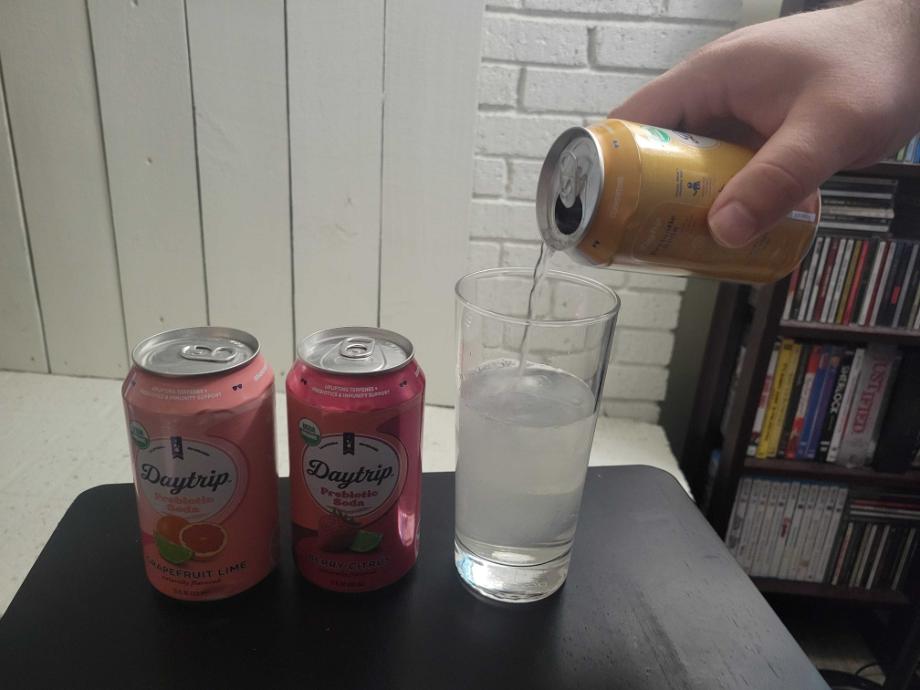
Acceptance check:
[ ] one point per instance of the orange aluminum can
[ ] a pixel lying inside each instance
(623, 194)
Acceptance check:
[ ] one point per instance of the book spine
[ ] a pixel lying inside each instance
(842, 554)
(868, 299)
(819, 277)
(906, 556)
(908, 281)
(751, 525)
(785, 527)
(824, 402)
(733, 533)
(794, 397)
(769, 436)
(804, 530)
(825, 279)
(856, 546)
(879, 295)
(857, 280)
(757, 428)
(833, 294)
(822, 573)
(830, 421)
(859, 566)
(914, 318)
(786, 376)
(821, 536)
(895, 285)
(867, 398)
(876, 558)
(844, 409)
(809, 545)
(840, 304)
(790, 293)
(880, 410)
(760, 553)
(794, 531)
(910, 293)
(812, 403)
(804, 298)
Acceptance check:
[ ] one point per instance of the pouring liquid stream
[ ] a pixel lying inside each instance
(539, 271)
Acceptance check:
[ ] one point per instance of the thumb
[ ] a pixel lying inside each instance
(789, 167)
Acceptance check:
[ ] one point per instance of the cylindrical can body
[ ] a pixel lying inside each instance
(203, 455)
(355, 439)
(630, 195)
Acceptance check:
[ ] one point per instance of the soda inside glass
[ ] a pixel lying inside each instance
(524, 430)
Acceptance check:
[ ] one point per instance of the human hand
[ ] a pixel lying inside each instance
(816, 92)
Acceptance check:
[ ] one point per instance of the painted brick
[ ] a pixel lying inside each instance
(656, 282)
(630, 409)
(516, 135)
(568, 90)
(608, 276)
(635, 7)
(504, 3)
(523, 176)
(650, 46)
(723, 10)
(498, 84)
(581, 364)
(649, 310)
(636, 382)
(489, 176)
(520, 254)
(483, 255)
(540, 41)
(498, 219)
(642, 347)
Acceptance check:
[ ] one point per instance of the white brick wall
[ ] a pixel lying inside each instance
(548, 65)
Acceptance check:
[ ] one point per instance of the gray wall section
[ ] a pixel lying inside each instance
(696, 313)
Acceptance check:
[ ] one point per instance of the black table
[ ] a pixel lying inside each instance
(653, 600)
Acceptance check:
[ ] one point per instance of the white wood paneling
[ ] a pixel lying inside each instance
(21, 346)
(335, 80)
(429, 122)
(238, 76)
(146, 103)
(54, 119)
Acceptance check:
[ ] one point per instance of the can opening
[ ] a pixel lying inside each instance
(568, 219)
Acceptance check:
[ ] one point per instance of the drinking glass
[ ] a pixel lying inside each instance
(524, 432)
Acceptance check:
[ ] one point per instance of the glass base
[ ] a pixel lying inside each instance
(510, 583)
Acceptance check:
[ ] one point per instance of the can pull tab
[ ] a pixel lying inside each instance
(204, 353)
(357, 347)
(571, 179)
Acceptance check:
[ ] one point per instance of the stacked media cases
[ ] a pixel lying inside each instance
(857, 272)
(854, 405)
(825, 533)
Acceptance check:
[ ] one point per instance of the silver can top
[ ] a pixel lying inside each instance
(355, 350)
(195, 351)
(569, 188)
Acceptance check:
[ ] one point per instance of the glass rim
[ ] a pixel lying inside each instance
(523, 271)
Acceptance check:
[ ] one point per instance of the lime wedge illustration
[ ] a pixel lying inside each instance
(174, 553)
(366, 541)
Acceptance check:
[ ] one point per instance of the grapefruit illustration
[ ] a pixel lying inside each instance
(204, 539)
(169, 526)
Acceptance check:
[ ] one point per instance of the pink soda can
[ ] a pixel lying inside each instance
(200, 409)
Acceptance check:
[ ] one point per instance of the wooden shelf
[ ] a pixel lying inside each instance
(829, 331)
(816, 589)
(888, 169)
(804, 469)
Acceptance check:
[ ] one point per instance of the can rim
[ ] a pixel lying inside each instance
(542, 323)
(397, 338)
(215, 331)
(548, 229)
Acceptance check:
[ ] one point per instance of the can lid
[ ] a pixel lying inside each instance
(195, 351)
(355, 350)
(570, 185)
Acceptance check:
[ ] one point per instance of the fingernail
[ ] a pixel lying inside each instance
(732, 225)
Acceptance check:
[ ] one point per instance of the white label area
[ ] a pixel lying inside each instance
(352, 474)
(180, 476)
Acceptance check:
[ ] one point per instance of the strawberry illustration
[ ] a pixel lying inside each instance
(336, 531)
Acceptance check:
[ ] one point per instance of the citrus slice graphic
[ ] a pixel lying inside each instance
(205, 539)
(366, 541)
(174, 553)
(169, 527)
